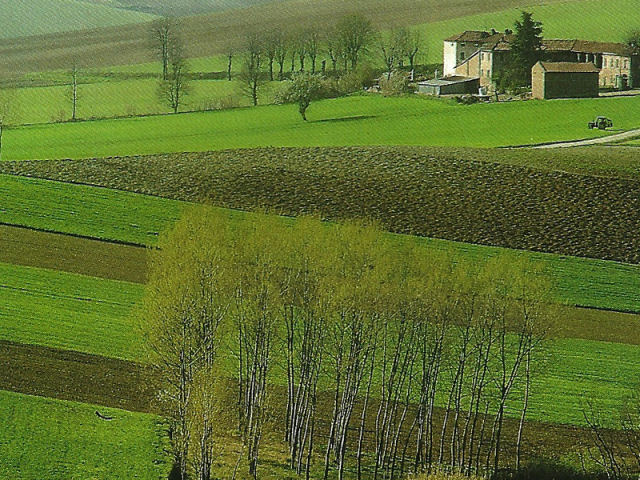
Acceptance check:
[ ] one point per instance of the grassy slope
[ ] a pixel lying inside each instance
(114, 215)
(68, 311)
(57, 440)
(37, 17)
(358, 120)
(87, 211)
(119, 98)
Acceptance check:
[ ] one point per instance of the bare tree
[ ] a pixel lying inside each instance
(176, 86)
(355, 34)
(390, 52)
(230, 52)
(73, 94)
(252, 74)
(281, 44)
(312, 46)
(164, 32)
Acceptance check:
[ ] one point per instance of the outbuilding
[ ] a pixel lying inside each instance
(452, 85)
(564, 80)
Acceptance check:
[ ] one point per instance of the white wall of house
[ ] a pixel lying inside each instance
(450, 58)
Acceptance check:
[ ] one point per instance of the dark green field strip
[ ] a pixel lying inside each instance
(76, 376)
(426, 192)
(85, 211)
(33, 248)
(69, 311)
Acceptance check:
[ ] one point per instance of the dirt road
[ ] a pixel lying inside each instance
(593, 141)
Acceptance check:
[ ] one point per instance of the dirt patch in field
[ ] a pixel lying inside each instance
(416, 191)
(75, 376)
(33, 248)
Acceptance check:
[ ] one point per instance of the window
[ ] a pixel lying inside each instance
(617, 62)
(604, 62)
(626, 64)
(461, 55)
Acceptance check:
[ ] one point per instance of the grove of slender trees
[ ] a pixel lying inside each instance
(394, 359)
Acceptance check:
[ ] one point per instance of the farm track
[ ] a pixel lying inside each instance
(615, 138)
(32, 248)
(74, 376)
(417, 191)
(206, 35)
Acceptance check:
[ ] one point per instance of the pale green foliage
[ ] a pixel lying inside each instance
(302, 90)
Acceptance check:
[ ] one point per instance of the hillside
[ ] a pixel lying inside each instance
(39, 17)
(178, 7)
(206, 35)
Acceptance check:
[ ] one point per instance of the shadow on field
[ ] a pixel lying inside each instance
(344, 119)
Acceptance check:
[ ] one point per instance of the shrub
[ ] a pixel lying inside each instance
(397, 84)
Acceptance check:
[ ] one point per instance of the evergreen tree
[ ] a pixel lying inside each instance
(526, 48)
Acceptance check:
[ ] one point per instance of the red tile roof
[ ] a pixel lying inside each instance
(569, 67)
(501, 42)
(468, 36)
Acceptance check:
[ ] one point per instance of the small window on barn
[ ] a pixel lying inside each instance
(461, 55)
(604, 62)
(617, 62)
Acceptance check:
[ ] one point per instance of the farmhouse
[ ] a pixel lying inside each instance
(564, 80)
(483, 55)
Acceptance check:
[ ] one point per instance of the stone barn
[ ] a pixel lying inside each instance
(564, 80)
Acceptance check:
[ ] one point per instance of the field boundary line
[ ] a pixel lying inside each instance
(78, 235)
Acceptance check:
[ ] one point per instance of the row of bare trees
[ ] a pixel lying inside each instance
(386, 334)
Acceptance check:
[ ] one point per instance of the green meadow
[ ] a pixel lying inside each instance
(355, 120)
(109, 98)
(60, 440)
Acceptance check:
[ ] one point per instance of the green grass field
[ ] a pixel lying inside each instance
(37, 17)
(87, 211)
(69, 311)
(58, 440)
(356, 120)
(118, 98)
(114, 215)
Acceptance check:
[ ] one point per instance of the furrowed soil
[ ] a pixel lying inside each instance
(416, 191)
(68, 375)
(75, 376)
(33, 248)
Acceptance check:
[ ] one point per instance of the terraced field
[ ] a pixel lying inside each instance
(57, 206)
